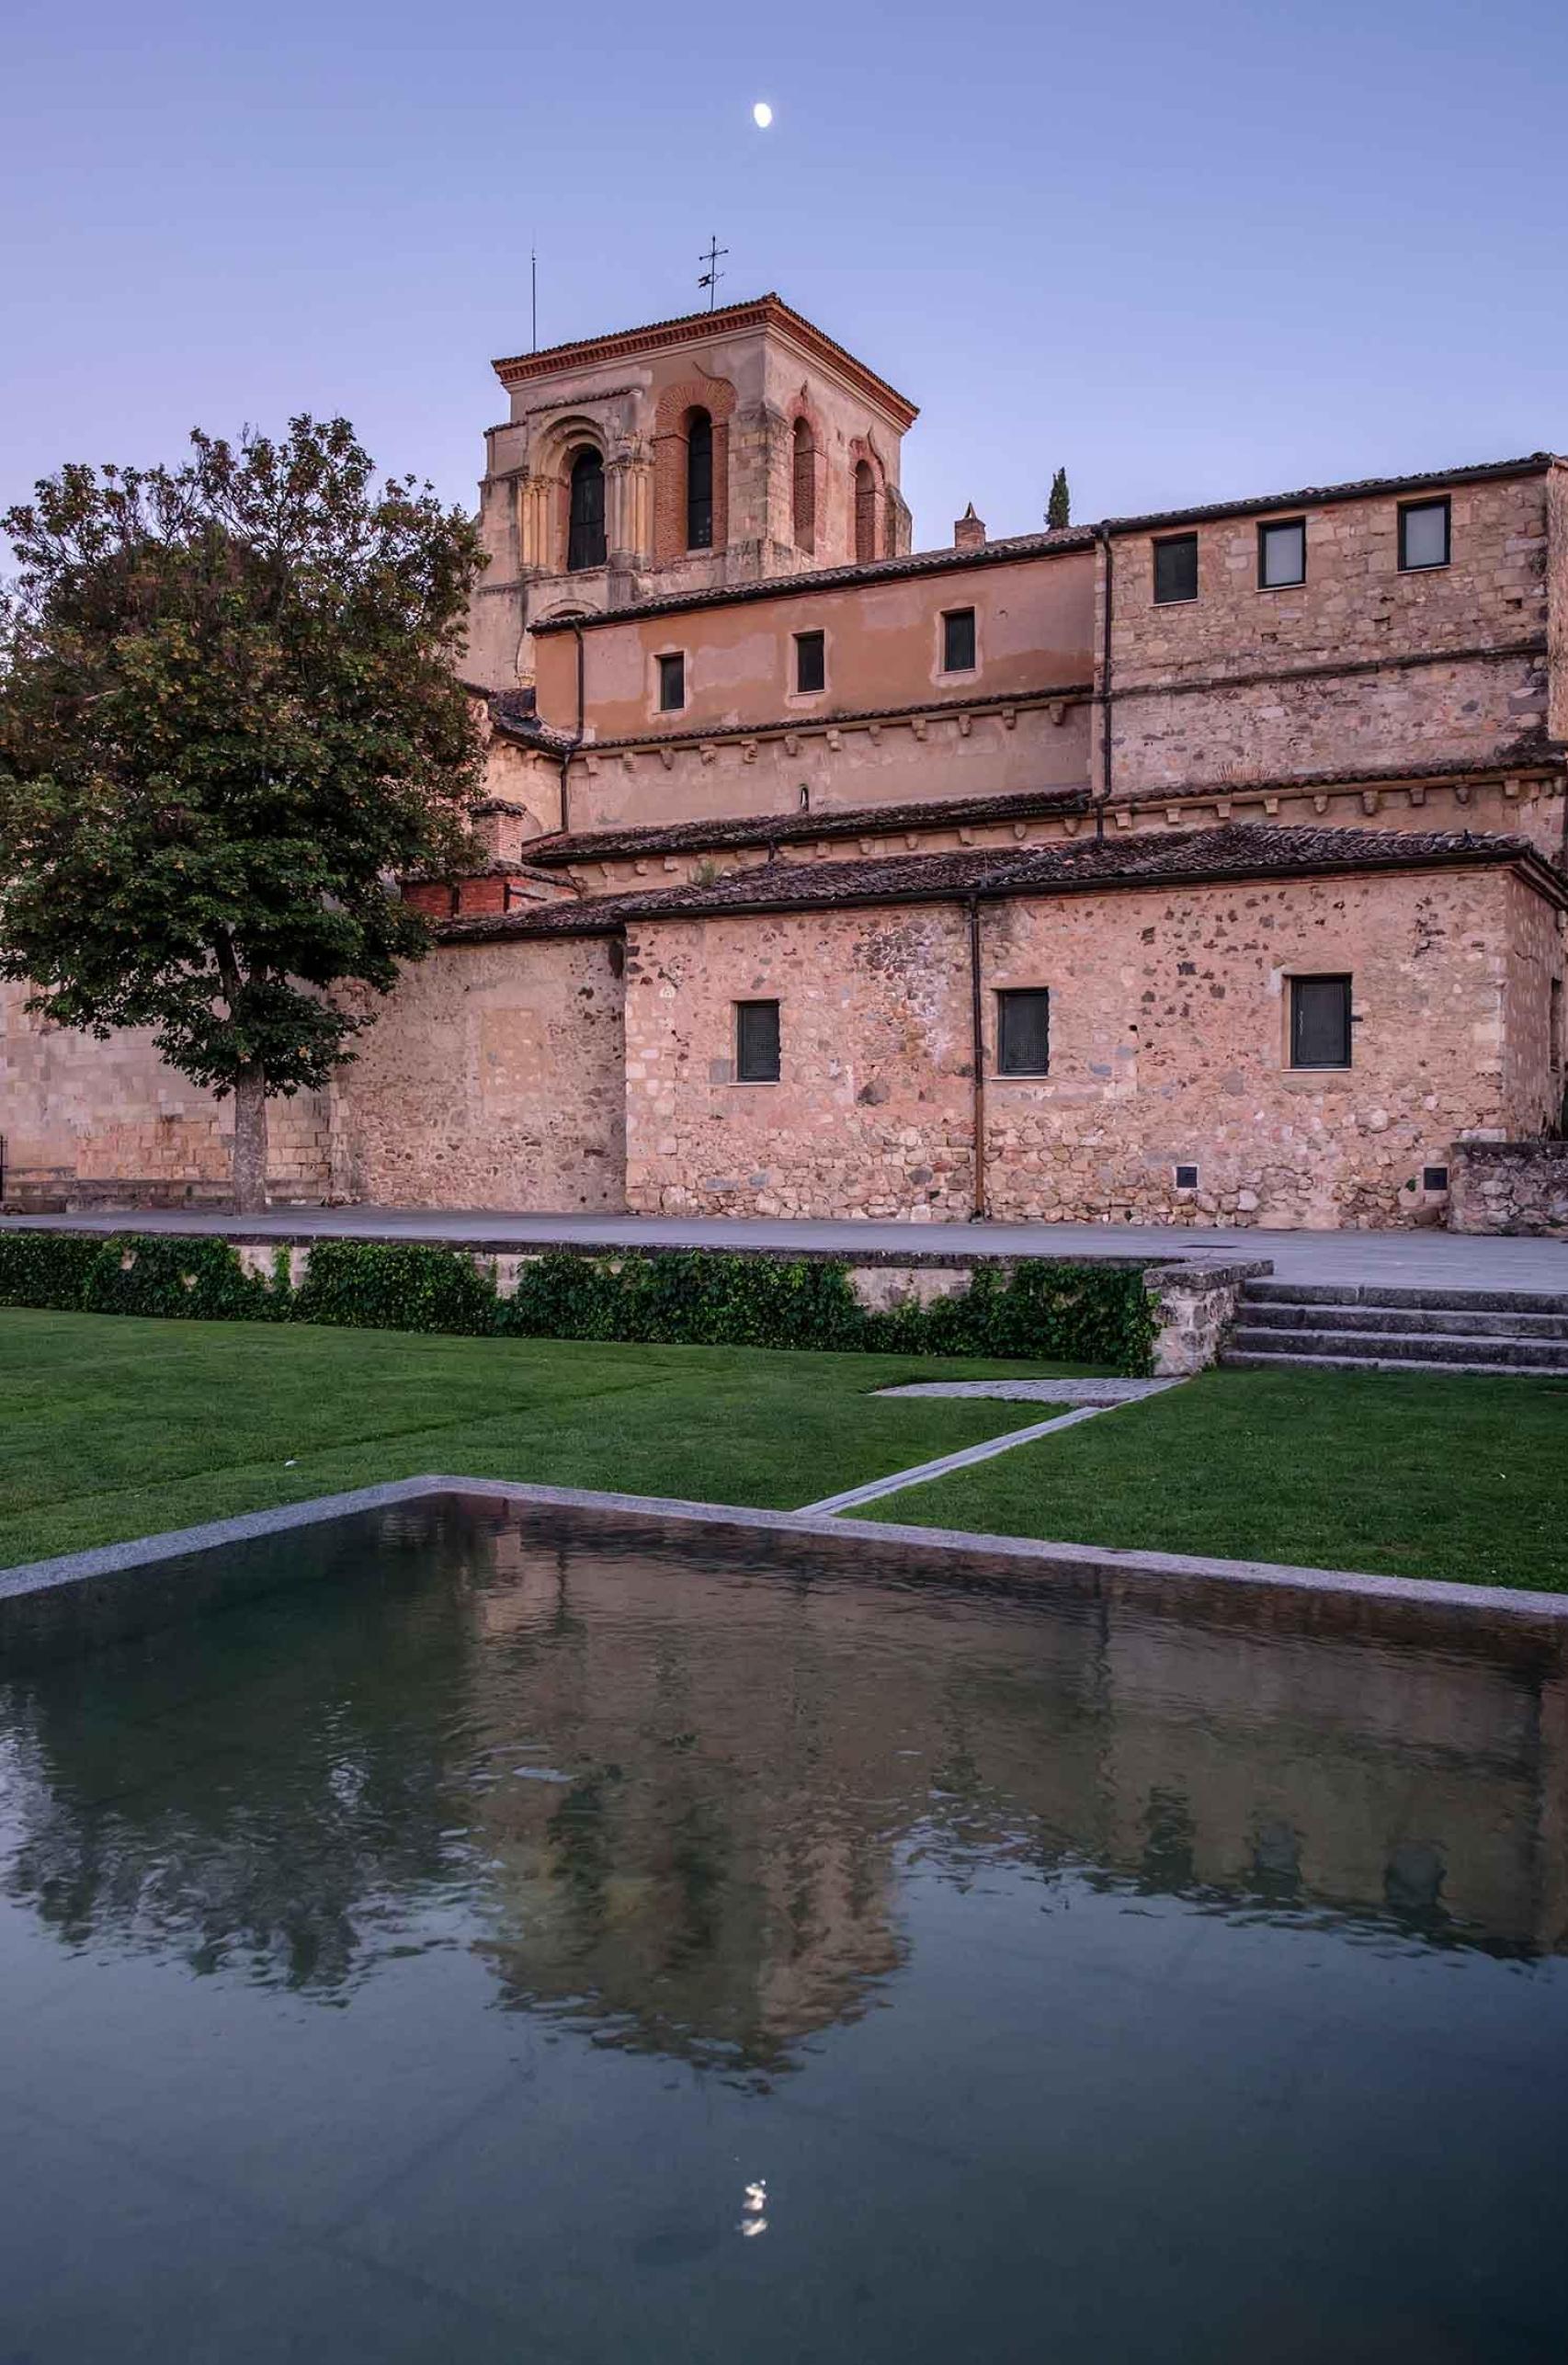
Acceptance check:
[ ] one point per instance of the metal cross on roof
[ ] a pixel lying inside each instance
(711, 277)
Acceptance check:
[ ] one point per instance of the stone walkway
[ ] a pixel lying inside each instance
(1418, 1259)
(1040, 1392)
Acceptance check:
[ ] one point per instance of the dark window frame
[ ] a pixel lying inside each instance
(959, 616)
(1267, 526)
(1339, 977)
(1010, 999)
(754, 1062)
(587, 543)
(699, 442)
(1426, 566)
(1174, 542)
(664, 660)
(817, 640)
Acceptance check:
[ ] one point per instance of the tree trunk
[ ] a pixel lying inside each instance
(250, 1142)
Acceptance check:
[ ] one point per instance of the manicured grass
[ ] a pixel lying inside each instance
(1449, 1477)
(111, 1426)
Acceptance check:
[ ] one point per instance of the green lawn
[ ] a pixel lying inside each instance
(1449, 1477)
(115, 1427)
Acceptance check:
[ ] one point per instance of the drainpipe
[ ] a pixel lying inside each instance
(1107, 609)
(977, 1060)
(576, 736)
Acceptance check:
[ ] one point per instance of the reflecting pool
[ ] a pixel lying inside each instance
(523, 1938)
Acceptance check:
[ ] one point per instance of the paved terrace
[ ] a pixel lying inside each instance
(1413, 1259)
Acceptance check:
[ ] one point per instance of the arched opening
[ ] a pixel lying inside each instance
(698, 480)
(585, 515)
(805, 488)
(865, 512)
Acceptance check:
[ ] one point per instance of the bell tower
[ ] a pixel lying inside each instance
(724, 448)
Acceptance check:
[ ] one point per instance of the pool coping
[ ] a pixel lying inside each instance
(29, 1578)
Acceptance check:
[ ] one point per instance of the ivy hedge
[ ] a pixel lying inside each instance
(1037, 1308)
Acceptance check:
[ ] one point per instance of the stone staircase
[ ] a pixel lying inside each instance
(1343, 1328)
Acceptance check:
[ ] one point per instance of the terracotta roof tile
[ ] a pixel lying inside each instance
(795, 828)
(1235, 850)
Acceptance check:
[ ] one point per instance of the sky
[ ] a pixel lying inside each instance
(1188, 254)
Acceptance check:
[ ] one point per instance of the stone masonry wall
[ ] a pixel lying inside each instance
(1509, 1187)
(76, 1114)
(1169, 1044)
(872, 1117)
(1355, 610)
(492, 1078)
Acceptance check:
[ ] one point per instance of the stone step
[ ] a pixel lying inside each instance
(1239, 1359)
(1414, 1349)
(1369, 1294)
(1269, 1315)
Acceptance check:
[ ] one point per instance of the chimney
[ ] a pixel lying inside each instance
(969, 532)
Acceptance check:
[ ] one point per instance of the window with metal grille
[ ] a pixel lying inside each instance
(672, 682)
(811, 661)
(957, 640)
(1023, 1031)
(700, 481)
(1320, 1021)
(1434, 1178)
(757, 1042)
(1423, 534)
(1281, 554)
(586, 530)
(1187, 1177)
(1175, 569)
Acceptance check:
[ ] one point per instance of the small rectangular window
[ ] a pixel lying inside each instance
(1175, 569)
(1320, 1021)
(1423, 534)
(757, 1042)
(672, 682)
(957, 640)
(811, 661)
(1187, 1177)
(1281, 554)
(1434, 1178)
(1023, 1032)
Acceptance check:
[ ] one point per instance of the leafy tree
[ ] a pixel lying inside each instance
(229, 717)
(1059, 508)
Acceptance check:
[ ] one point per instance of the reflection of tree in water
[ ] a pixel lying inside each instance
(244, 1793)
(678, 1808)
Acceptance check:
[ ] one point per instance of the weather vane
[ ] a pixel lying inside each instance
(711, 277)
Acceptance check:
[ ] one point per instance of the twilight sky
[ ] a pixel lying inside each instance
(1189, 252)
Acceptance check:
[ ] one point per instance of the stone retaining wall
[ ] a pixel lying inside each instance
(1508, 1186)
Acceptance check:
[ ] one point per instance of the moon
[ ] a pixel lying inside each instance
(762, 115)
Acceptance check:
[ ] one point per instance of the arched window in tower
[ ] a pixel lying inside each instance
(698, 480)
(586, 527)
(865, 512)
(805, 488)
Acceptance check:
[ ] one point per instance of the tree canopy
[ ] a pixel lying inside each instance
(230, 717)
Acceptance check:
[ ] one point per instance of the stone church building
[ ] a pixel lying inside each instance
(1205, 866)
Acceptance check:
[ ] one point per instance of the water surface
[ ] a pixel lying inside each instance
(529, 1941)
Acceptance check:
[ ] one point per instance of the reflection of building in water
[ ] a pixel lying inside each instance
(723, 1869)
(680, 1788)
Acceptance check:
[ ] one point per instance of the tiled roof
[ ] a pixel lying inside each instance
(769, 309)
(830, 579)
(1155, 857)
(793, 828)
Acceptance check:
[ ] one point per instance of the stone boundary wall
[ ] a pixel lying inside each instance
(1509, 1187)
(1195, 1303)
